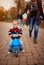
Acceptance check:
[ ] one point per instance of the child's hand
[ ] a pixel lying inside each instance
(11, 36)
(20, 35)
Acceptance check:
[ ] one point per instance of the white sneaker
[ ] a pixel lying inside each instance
(8, 52)
(23, 50)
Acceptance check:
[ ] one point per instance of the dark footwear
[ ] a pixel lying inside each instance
(35, 41)
(21, 49)
(10, 50)
(30, 34)
(16, 55)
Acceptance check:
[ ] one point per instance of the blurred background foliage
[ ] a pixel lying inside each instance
(10, 14)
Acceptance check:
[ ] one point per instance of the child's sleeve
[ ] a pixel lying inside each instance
(20, 31)
(9, 32)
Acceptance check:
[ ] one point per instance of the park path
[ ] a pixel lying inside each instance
(34, 54)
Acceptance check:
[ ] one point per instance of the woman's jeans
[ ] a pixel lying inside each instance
(19, 22)
(33, 24)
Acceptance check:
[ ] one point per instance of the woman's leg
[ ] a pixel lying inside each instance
(31, 26)
(35, 32)
(19, 22)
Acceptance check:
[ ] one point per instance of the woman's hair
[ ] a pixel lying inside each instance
(33, 0)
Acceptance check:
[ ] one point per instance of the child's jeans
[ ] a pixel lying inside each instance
(33, 23)
(9, 48)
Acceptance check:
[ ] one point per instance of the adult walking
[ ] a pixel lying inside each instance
(34, 19)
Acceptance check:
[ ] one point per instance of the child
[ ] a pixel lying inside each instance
(15, 30)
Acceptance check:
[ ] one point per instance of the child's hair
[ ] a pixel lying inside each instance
(15, 21)
(33, 0)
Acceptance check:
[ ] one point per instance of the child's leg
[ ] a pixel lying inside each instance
(9, 48)
(22, 45)
(35, 32)
(31, 27)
